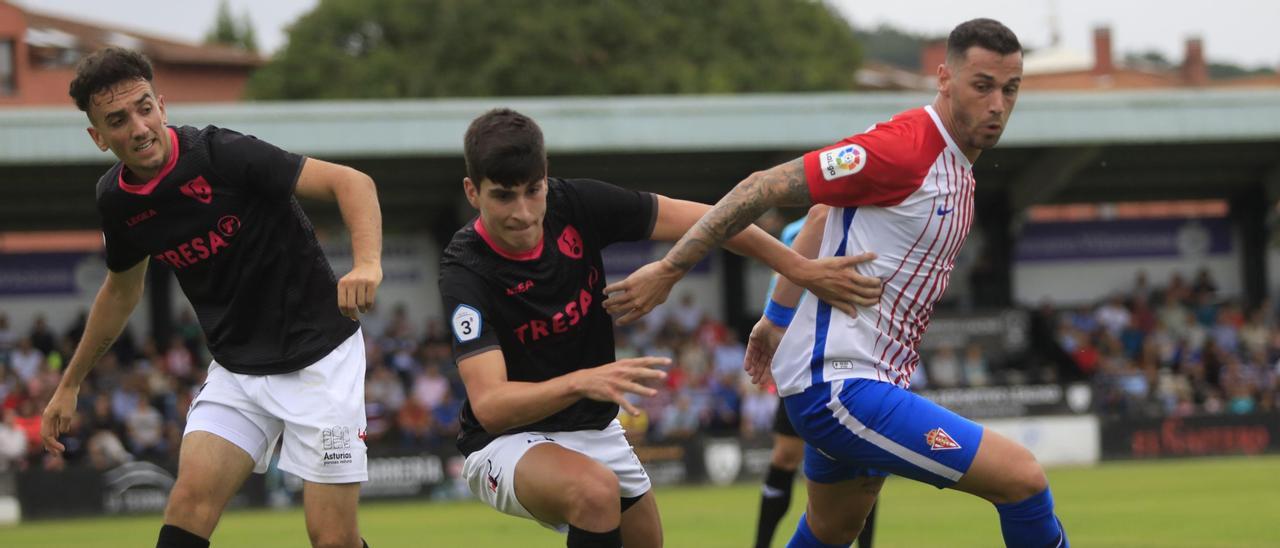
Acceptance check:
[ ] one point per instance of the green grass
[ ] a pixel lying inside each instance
(1230, 502)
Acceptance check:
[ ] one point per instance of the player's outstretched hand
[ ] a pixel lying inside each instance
(613, 381)
(642, 291)
(57, 418)
(763, 342)
(357, 290)
(836, 282)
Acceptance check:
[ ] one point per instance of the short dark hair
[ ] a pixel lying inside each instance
(987, 34)
(505, 147)
(105, 68)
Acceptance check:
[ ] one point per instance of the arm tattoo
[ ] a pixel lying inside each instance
(102, 349)
(783, 185)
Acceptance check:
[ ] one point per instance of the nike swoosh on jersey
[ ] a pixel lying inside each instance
(942, 210)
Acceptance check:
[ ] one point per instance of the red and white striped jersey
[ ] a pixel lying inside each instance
(903, 190)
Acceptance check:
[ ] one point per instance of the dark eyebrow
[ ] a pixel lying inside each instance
(120, 112)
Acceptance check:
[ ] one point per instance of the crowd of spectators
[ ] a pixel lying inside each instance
(1175, 350)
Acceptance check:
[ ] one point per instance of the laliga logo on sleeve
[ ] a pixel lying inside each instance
(570, 242)
(199, 189)
(842, 162)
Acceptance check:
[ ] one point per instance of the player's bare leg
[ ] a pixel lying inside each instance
(1007, 474)
(837, 511)
(331, 514)
(1003, 471)
(210, 471)
(641, 524)
(559, 485)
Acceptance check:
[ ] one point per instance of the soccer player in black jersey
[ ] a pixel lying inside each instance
(523, 285)
(218, 208)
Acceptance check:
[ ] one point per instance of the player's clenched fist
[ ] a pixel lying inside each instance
(613, 381)
(357, 290)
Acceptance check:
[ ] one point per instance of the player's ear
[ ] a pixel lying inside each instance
(98, 139)
(472, 190)
(944, 79)
(164, 115)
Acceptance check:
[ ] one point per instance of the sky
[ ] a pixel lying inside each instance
(1236, 31)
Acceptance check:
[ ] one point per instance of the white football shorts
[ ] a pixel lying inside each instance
(490, 472)
(319, 410)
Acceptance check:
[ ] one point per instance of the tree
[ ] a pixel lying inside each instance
(895, 47)
(436, 48)
(229, 32)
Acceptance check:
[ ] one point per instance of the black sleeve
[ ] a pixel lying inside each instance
(468, 312)
(615, 214)
(121, 254)
(243, 160)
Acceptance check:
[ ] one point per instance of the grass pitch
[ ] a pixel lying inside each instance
(1228, 502)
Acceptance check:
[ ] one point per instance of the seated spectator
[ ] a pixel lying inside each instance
(145, 428)
(26, 360)
(944, 369)
(415, 424)
(429, 388)
(13, 442)
(680, 421)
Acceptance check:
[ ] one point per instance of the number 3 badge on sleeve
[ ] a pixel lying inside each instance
(466, 323)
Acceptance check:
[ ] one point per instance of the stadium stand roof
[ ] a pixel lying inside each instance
(668, 124)
(1060, 147)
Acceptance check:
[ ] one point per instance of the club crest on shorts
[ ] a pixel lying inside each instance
(842, 162)
(466, 323)
(939, 440)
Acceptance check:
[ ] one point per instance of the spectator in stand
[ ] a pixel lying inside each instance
(145, 427)
(8, 336)
(446, 416)
(759, 407)
(680, 421)
(944, 368)
(41, 336)
(106, 451)
(415, 425)
(179, 361)
(13, 442)
(384, 387)
(687, 314)
(1113, 316)
(1204, 284)
(977, 372)
(26, 360)
(430, 387)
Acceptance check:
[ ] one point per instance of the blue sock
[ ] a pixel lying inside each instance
(804, 538)
(1031, 523)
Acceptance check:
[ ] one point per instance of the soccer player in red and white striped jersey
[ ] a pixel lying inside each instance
(904, 190)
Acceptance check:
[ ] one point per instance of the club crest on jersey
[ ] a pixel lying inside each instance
(570, 242)
(199, 189)
(466, 323)
(842, 162)
(939, 440)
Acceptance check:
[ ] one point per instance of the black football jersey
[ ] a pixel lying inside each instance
(222, 215)
(543, 308)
